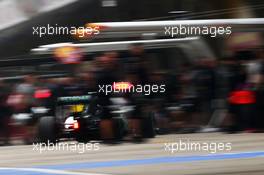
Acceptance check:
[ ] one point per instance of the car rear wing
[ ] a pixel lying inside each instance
(71, 100)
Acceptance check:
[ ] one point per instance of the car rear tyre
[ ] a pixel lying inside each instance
(119, 128)
(148, 128)
(47, 130)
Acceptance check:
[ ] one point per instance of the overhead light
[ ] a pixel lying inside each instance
(50, 46)
(178, 12)
(109, 3)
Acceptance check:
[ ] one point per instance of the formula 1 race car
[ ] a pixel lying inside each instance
(83, 118)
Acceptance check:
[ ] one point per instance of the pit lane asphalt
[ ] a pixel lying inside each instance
(149, 157)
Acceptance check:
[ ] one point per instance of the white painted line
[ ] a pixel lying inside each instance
(49, 171)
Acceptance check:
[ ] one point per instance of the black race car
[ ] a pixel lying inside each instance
(84, 118)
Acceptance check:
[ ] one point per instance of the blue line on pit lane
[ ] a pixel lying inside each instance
(149, 161)
(153, 161)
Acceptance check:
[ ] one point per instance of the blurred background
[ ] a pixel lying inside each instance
(212, 84)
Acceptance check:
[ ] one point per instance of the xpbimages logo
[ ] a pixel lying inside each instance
(182, 145)
(81, 32)
(212, 31)
(126, 87)
(65, 146)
